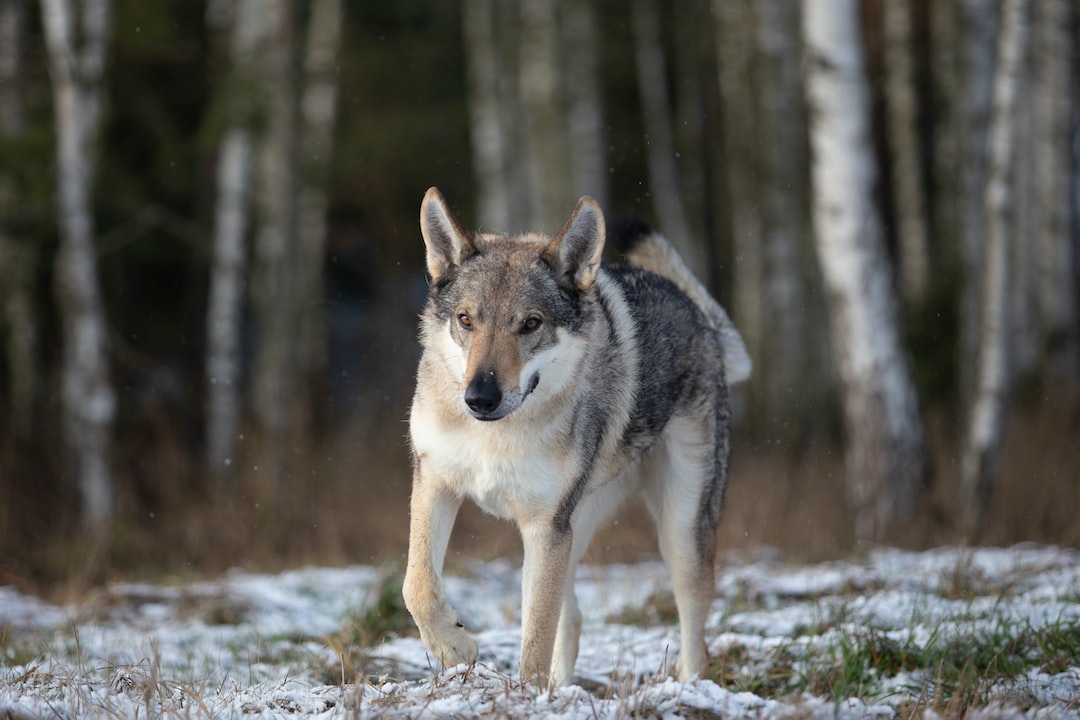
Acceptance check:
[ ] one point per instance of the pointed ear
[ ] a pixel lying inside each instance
(447, 243)
(575, 252)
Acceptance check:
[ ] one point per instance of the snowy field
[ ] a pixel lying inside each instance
(993, 632)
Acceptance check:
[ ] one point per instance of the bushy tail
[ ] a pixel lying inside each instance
(648, 250)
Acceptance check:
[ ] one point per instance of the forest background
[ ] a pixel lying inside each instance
(210, 265)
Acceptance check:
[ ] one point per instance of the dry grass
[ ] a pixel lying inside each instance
(347, 502)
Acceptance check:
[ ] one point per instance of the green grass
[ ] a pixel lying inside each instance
(16, 651)
(384, 617)
(951, 672)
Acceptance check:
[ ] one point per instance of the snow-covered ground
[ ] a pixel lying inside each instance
(869, 638)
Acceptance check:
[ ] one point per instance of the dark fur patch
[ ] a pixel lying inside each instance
(670, 371)
(625, 232)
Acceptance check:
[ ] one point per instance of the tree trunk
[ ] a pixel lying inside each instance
(787, 353)
(486, 109)
(12, 39)
(249, 32)
(543, 140)
(76, 35)
(540, 94)
(1056, 182)
(946, 132)
(1025, 340)
(18, 256)
(742, 170)
(978, 29)
(905, 152)
(586, 139)
(985, 430)
(274, 278)
(664, 183)
(694, 112)
(318, 107)
(886, 456)
(223, 315)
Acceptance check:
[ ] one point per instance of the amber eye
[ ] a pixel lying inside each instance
(464, 321)
(530, 325)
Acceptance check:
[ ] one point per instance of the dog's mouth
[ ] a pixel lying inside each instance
(486, 402)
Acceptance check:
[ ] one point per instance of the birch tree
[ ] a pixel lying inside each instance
(1056, 186)
(735, 73)
(760, 72)
(586, 138)
(789, 353)
(902, 124)
(318, 112)
(536, 119)
(76, 33)
(664, 183)
(986, 420)
(546, 166)
(978, 30)
(249, 32)
(885, 455)
(487, 105)
(274, 280)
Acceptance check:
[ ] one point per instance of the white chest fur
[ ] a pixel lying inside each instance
(507, 471)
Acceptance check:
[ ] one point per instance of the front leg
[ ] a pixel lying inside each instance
(432, 512)
(543, 582)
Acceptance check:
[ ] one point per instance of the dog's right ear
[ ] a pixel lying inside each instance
(447, 243)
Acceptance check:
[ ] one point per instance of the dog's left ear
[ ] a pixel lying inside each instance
(575, 252)
(447, 243)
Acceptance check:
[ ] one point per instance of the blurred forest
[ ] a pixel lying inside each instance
(210, 264)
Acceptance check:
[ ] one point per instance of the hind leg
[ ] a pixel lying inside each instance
(684, 493)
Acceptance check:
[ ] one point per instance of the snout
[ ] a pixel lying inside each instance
(486, 400)
(484, 397)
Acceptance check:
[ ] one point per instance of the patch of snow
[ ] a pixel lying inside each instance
(260, 644)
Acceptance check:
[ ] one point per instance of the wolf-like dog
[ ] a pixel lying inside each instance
(551, 386)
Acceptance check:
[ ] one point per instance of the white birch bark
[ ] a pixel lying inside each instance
(76, 34)
(978, 28)
(656, 108)
(232, 219)
(885, 456)
(905, 154)
(787, 354)
(547, 171)
(274, 278)
(318, 111)
(979, 467)
(494, 207)
(1056, 107)
(223, 315)
(586, 138)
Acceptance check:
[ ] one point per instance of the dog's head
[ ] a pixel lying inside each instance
(505, 311)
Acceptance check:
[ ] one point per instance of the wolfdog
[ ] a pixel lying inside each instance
(551, 386)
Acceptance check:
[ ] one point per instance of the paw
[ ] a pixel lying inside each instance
(452, 646)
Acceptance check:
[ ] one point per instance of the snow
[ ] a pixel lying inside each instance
(264, 645)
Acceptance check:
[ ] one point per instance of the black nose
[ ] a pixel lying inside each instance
(483, 395)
